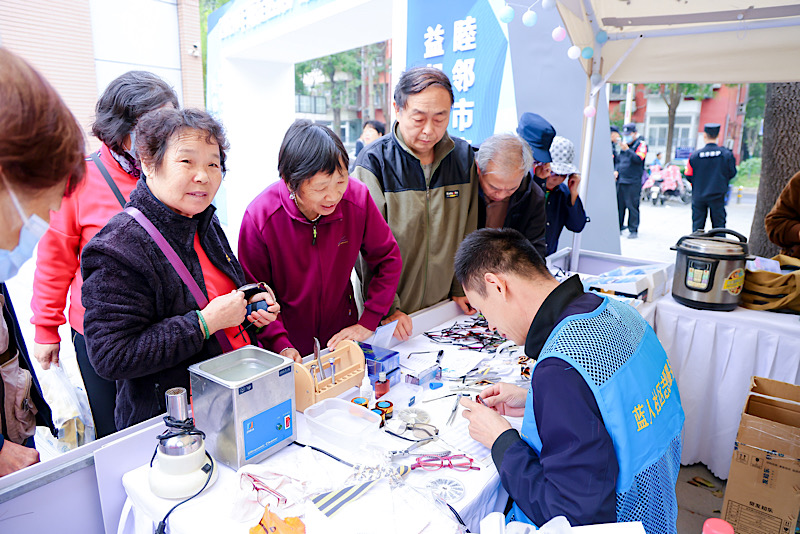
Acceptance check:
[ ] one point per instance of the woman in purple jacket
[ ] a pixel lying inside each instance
(303, 235)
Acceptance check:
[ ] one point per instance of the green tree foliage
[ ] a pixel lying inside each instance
(754, 116)
(206, 8)
(673, 94)
(342, 74)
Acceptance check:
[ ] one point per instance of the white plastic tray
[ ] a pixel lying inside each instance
(339, 421)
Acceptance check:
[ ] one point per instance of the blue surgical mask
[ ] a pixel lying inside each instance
(628, 139)
(33, 229)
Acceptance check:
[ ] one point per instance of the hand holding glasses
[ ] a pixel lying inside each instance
(459, 462)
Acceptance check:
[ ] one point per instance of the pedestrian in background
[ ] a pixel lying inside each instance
(630, 170)
(710, 169)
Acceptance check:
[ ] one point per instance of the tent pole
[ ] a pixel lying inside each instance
(586, 160)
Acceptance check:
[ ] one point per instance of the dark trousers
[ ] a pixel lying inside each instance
(102, 393)
(701, 206)
(628, 199)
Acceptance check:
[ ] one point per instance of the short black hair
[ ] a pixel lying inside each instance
(156, 128)
(308, 149)
(379, 126)
(127, 98)
(496, 250)
(417, 79)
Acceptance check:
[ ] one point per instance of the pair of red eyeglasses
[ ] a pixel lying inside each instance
(459, 462)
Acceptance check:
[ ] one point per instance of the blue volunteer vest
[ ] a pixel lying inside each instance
(620, 357)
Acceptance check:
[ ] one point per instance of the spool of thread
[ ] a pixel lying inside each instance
(386, 407)
(361, 401)
(379, 412)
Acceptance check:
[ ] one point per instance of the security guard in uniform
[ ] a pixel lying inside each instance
(709, 170)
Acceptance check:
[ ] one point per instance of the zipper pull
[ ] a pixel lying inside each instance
(314, 230)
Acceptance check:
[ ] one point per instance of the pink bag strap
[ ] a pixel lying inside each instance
(179, 266)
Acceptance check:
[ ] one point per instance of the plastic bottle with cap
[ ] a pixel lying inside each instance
(381, 386)
(366, 389)
(715, 525)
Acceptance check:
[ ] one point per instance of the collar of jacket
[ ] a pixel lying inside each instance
(290, 207)
(562, 187)
(111, 163)
(176, 228)
(440, 149)
(517, 196)
(552, 308)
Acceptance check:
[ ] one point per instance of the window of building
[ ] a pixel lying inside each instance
(682, 132)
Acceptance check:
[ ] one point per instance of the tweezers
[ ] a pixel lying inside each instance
(455, 410)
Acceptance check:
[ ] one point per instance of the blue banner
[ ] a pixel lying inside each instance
(465, 40)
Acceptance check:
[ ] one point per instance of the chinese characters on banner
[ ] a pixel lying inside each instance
(464, 40)
(462, 75)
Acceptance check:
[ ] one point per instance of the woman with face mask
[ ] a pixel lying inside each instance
(111, 175)
(41, 160)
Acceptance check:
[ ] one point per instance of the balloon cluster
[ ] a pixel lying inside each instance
(529, 18)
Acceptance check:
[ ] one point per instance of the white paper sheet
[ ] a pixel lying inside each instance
(383, 335)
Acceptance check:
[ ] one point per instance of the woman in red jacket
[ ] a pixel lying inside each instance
(303, 235)
(112, 173)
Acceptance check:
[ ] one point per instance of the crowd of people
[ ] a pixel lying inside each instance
(423, 217)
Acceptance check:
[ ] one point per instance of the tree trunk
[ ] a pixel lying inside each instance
(366, 114)
(780, 157)
(675, 95)
(370, 84)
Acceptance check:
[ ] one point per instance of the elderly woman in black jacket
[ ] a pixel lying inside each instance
(143, 326)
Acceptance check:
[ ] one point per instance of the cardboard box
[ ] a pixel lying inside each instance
(763, 491)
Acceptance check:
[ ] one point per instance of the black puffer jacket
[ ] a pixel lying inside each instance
(140, 325)
(526, 213)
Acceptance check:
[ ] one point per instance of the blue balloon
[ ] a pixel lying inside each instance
(506, 14)
(587, 52)
(601, 37)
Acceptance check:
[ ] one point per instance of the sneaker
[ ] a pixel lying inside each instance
(633, 235)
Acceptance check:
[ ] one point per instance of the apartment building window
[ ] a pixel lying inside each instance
(682, 133)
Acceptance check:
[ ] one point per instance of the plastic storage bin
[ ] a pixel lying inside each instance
(341, 422)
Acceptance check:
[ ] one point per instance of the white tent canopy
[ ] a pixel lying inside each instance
(700, 41)
(680, 41)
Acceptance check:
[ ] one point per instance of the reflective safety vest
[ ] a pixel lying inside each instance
(620, 358)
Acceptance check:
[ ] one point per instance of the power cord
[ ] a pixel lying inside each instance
(175, 428)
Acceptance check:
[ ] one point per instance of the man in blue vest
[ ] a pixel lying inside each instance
(600, 439)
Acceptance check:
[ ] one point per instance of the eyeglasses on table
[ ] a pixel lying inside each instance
(459, 462)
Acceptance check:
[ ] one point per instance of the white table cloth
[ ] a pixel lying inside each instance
(211, 512)
(713, 356)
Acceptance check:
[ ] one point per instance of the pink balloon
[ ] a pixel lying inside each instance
(559, 34)
(589, 111)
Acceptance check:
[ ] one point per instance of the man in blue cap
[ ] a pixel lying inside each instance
(709, 170)
(630, 168)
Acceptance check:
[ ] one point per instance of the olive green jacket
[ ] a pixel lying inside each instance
(429, 218)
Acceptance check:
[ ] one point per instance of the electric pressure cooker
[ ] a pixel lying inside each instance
(709, 270)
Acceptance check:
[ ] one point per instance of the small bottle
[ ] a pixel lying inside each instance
(366, 389)
(714, 525)
(381, 386)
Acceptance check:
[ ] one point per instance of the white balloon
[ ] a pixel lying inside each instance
(574, 52)
(529, 18)
(559, 34)
(506, 14)
(548, 4)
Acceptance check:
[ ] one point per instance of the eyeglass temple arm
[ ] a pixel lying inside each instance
(259, 485)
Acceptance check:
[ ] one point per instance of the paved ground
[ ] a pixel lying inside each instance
(660, 227)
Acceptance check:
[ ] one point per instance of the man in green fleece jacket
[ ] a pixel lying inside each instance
(425, 184)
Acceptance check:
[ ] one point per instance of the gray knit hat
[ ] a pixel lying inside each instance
(563, 153)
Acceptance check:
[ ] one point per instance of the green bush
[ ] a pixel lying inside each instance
(748, 173)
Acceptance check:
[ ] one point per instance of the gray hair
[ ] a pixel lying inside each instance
(507, 151)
